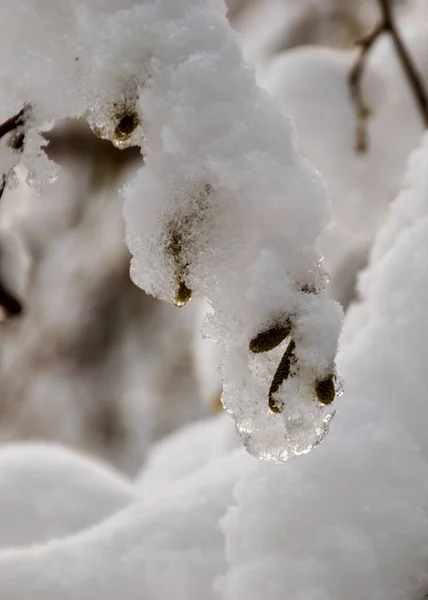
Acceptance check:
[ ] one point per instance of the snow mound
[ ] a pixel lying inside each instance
(48, 492)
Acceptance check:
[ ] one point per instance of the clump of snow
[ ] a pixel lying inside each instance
(221, 201)
(40, 48)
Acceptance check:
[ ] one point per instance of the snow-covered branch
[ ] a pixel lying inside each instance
(225, 207)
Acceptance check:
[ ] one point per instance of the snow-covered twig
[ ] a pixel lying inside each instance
(14, 124)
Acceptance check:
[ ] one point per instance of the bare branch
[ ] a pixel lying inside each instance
(409, 68)
(9, 303)
(355, 79)
(2, 185)
(386, 25)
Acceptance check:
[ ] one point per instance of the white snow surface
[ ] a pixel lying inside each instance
(347, 521)
(186, 451)
(48, 492)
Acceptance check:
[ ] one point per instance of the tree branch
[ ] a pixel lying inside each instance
(9, 303)
(386, 25)
(2, 184)
(410, 70)
(17, 124)
(14, 122)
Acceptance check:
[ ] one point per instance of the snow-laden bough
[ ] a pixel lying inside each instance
(224, 207)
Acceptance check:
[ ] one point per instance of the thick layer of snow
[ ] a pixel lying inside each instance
(353, 513)
(169, 548)
(230, 211)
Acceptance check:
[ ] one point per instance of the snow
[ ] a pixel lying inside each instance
(48, 492)
(176, 535)
(174, 457)
(222, 208)
(353, 513)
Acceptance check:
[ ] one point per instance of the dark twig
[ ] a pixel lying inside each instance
(14, 122)
(11, 305)
(281, 374)
(410, 70)
(386, 25)
(2, 185)
(355, 77)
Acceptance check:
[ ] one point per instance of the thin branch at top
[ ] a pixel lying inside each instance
(409, 68)
(355, 78)
(386, 25)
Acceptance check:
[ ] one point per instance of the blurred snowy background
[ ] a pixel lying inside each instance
(93, 363)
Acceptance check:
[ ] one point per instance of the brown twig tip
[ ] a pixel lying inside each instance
(270, 338)
(15, 122)
(362, 111)
(127, 123)
(282, 373)
(325, 389)
(9, 303)
(183, 294)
